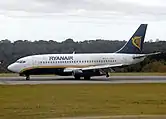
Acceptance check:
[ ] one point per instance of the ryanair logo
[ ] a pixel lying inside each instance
(61, 58)
(136, 41)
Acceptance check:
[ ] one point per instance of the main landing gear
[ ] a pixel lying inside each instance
(86, 77)
(107, 75)
(77, 77)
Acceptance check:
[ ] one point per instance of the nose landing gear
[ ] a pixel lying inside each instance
(27, 77)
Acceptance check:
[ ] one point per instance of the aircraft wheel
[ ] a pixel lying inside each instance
(107, 75)
(87, 78)
(77, 77)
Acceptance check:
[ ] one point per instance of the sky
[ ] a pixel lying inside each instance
(81, 19)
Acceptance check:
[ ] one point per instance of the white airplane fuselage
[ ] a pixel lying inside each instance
(49, 63)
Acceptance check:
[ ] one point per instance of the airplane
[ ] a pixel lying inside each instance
(83, 65)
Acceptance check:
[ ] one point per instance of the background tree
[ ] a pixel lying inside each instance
(11, 51)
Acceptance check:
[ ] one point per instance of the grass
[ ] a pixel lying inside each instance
(67, 100)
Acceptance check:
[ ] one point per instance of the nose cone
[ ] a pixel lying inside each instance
(12, 68)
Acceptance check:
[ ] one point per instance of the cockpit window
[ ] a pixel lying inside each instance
(20, 61)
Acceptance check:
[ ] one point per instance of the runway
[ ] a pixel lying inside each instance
(70, 80)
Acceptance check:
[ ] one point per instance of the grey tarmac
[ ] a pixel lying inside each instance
(70, 80)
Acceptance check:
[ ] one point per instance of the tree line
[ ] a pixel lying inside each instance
(11, 51)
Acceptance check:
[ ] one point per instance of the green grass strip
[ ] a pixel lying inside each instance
(70, 100)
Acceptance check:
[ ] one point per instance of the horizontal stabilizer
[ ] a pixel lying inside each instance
(145, 55)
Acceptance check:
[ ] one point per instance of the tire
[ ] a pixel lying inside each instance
(107, 75)
(77, 77)
(87, 78)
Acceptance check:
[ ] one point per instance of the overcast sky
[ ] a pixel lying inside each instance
(80, 19)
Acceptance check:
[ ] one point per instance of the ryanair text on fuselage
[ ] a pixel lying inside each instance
(61, 58)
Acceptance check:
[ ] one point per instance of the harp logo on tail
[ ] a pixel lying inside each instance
(136, 41)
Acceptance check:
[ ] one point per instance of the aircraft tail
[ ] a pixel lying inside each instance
(135, 44)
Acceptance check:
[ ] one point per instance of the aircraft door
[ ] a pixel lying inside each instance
(33, 62)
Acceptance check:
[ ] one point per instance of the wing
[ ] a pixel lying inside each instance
(92, 67)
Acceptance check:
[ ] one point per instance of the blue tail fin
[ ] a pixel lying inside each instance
(135, 44)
